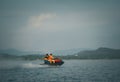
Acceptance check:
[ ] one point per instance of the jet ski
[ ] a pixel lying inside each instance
(57, 62)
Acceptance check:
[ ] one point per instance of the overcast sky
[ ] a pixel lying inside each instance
(59, 24)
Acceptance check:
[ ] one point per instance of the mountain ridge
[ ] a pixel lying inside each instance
(17, 52)
(56, 52)
(100, 53)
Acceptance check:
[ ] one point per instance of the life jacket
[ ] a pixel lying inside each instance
(50, 57)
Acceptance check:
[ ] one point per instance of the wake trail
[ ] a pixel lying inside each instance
(12, 64)
(32, 65)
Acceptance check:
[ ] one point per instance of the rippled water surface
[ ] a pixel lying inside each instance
(71, 71)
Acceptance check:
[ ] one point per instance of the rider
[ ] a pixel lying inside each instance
(46, 58)
(51, 58)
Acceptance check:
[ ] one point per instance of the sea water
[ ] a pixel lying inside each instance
(70, 71)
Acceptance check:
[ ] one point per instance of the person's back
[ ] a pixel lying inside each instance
(50, 58)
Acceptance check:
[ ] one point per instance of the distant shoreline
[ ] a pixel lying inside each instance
(100, 53)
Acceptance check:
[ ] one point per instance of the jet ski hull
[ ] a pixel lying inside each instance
(58, 62)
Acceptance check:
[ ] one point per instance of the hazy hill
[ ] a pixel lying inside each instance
(68, 51)
(100, 53)
(19, 53)
(21, 57)
(56, 52)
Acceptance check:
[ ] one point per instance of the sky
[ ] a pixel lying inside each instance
(33, 25)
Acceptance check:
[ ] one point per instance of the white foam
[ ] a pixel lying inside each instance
(32, 65)
(20, 64)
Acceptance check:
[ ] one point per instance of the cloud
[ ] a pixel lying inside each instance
(37, 21)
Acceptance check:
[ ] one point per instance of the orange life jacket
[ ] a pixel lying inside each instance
(50, 57)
